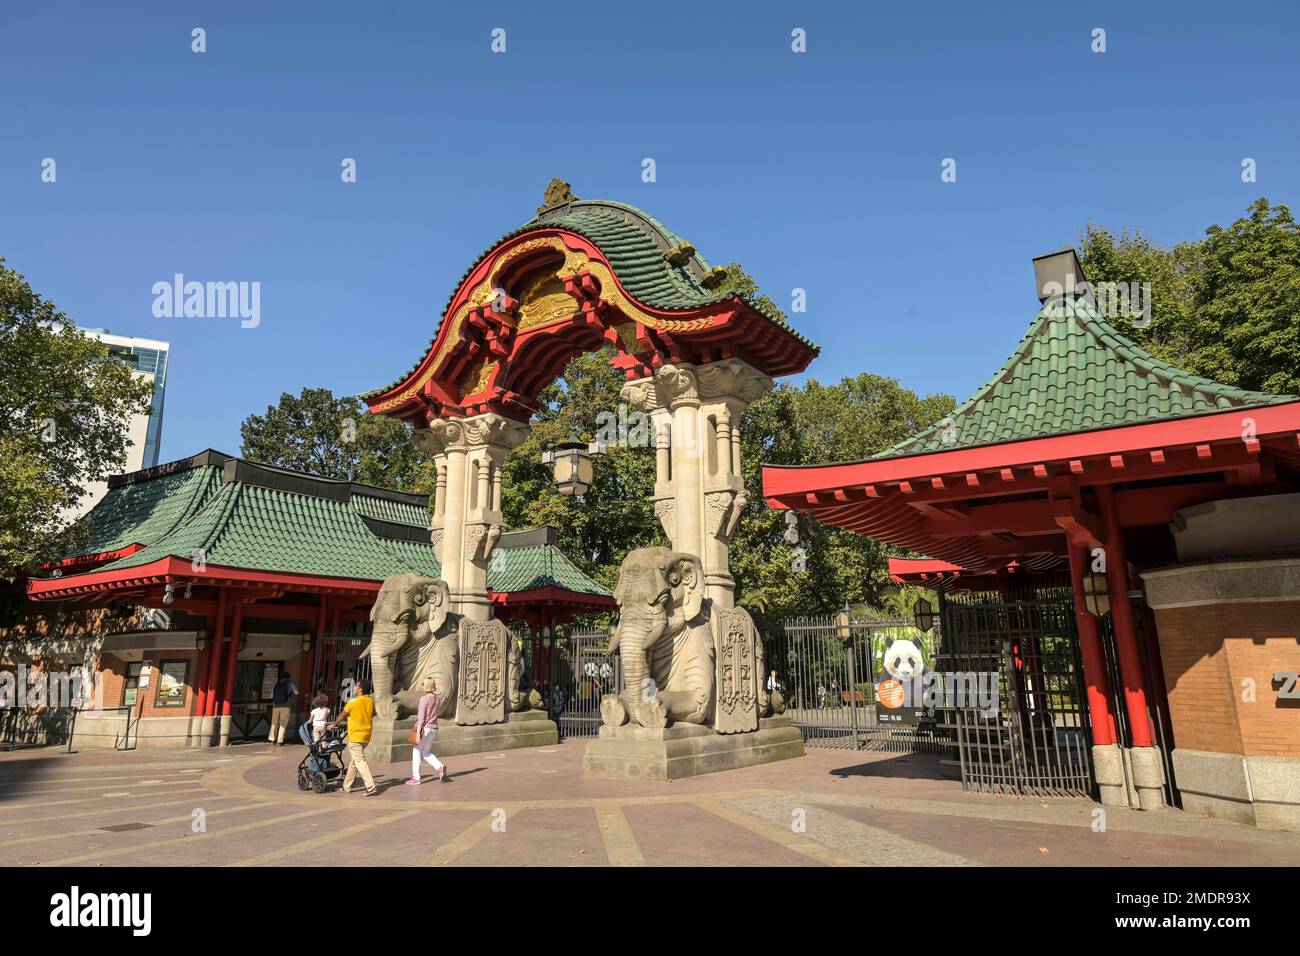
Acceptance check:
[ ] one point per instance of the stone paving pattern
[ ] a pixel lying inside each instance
(535, 808)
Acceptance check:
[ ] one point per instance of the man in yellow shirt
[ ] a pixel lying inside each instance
(360, 712)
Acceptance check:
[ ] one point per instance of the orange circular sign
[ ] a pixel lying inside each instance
(890, 693)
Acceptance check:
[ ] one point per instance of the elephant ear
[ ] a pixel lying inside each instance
(439, 597)
(385, 599)
(692, 575)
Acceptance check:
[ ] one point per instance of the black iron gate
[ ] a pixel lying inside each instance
(583, 673)
(338, 662)
(828, 679)
(1036, 739)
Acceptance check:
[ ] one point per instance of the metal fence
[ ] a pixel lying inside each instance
(337, 665)
(583, 673)
(828, 680)
(21, 728)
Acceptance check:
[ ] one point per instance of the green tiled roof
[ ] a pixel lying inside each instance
(141, 512)
(385, 509)
(264, 529)
(634, 242)
(1072, 372)
(538, 566)
(259, 518)
(511, 570)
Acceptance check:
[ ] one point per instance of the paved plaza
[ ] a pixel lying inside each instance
(535, 808)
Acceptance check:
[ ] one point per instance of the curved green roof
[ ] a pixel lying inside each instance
(238, 514)
(1073, 372)
(141, 512)
(634, 242)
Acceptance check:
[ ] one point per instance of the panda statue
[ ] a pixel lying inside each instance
(905, 664)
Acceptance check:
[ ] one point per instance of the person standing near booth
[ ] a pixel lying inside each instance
(281, 701)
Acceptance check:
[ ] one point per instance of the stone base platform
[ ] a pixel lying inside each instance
(530, 728)
(687, 750)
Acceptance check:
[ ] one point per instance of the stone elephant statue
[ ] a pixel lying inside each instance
(410, 609)
(664, 639)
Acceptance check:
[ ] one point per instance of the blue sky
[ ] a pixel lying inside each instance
(816, 170)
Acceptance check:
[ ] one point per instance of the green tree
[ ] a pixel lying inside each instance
(615, 515)
(860, 417)
(317, 433)
(66, 405)
(1223, 307)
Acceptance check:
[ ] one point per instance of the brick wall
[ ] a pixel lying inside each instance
(1209, 653)
(113, 674)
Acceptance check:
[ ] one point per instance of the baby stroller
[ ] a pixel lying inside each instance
(324, 760)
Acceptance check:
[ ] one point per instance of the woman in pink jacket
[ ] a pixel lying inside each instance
(426, 731)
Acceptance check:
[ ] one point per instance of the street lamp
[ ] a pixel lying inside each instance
(842, 627)
(1059, 275)
(1096, 594)
(570, 463)
(923, 615)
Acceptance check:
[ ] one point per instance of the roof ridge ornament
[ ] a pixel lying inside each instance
(558, 193)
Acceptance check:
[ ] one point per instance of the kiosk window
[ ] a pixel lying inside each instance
(171, 684)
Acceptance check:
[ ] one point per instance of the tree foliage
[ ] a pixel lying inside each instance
(615, 515)
(815, 424)
(66, 406)
(317, 433)
(1225, 306)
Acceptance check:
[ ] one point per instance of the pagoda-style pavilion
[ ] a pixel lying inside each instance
(221, 571)
(1166, 502)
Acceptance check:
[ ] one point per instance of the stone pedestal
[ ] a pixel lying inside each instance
(531, 728)
(1108, 765)
(687, 750)
(1148, 777)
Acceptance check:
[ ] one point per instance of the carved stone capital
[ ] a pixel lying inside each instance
(494, 430)
(670, 387)
(731, 380)
(480, 539)
(490, 429)
(666, 512)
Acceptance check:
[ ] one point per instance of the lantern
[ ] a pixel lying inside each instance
(923, 615)
(570, 463)
(1096, 593)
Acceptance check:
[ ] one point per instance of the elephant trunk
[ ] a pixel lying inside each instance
(381, 675)
(633, 639)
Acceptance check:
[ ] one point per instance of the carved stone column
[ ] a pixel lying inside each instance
(699, 487)
(469, 454)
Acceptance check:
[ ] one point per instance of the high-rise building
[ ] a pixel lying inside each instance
(148, 359)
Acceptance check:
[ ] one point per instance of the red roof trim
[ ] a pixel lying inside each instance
(779, 480)
(102, 557)
(177, 569)
(556, 595)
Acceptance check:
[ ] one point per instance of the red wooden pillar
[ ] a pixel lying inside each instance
(1121, 611)
(232, 662)
(1095, 674)
(309, 662)
(209, 681)
(215, 671)
(201, 677)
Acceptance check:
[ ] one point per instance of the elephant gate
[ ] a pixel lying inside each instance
(580, 277)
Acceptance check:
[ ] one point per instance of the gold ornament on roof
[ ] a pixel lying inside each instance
(557, 193)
